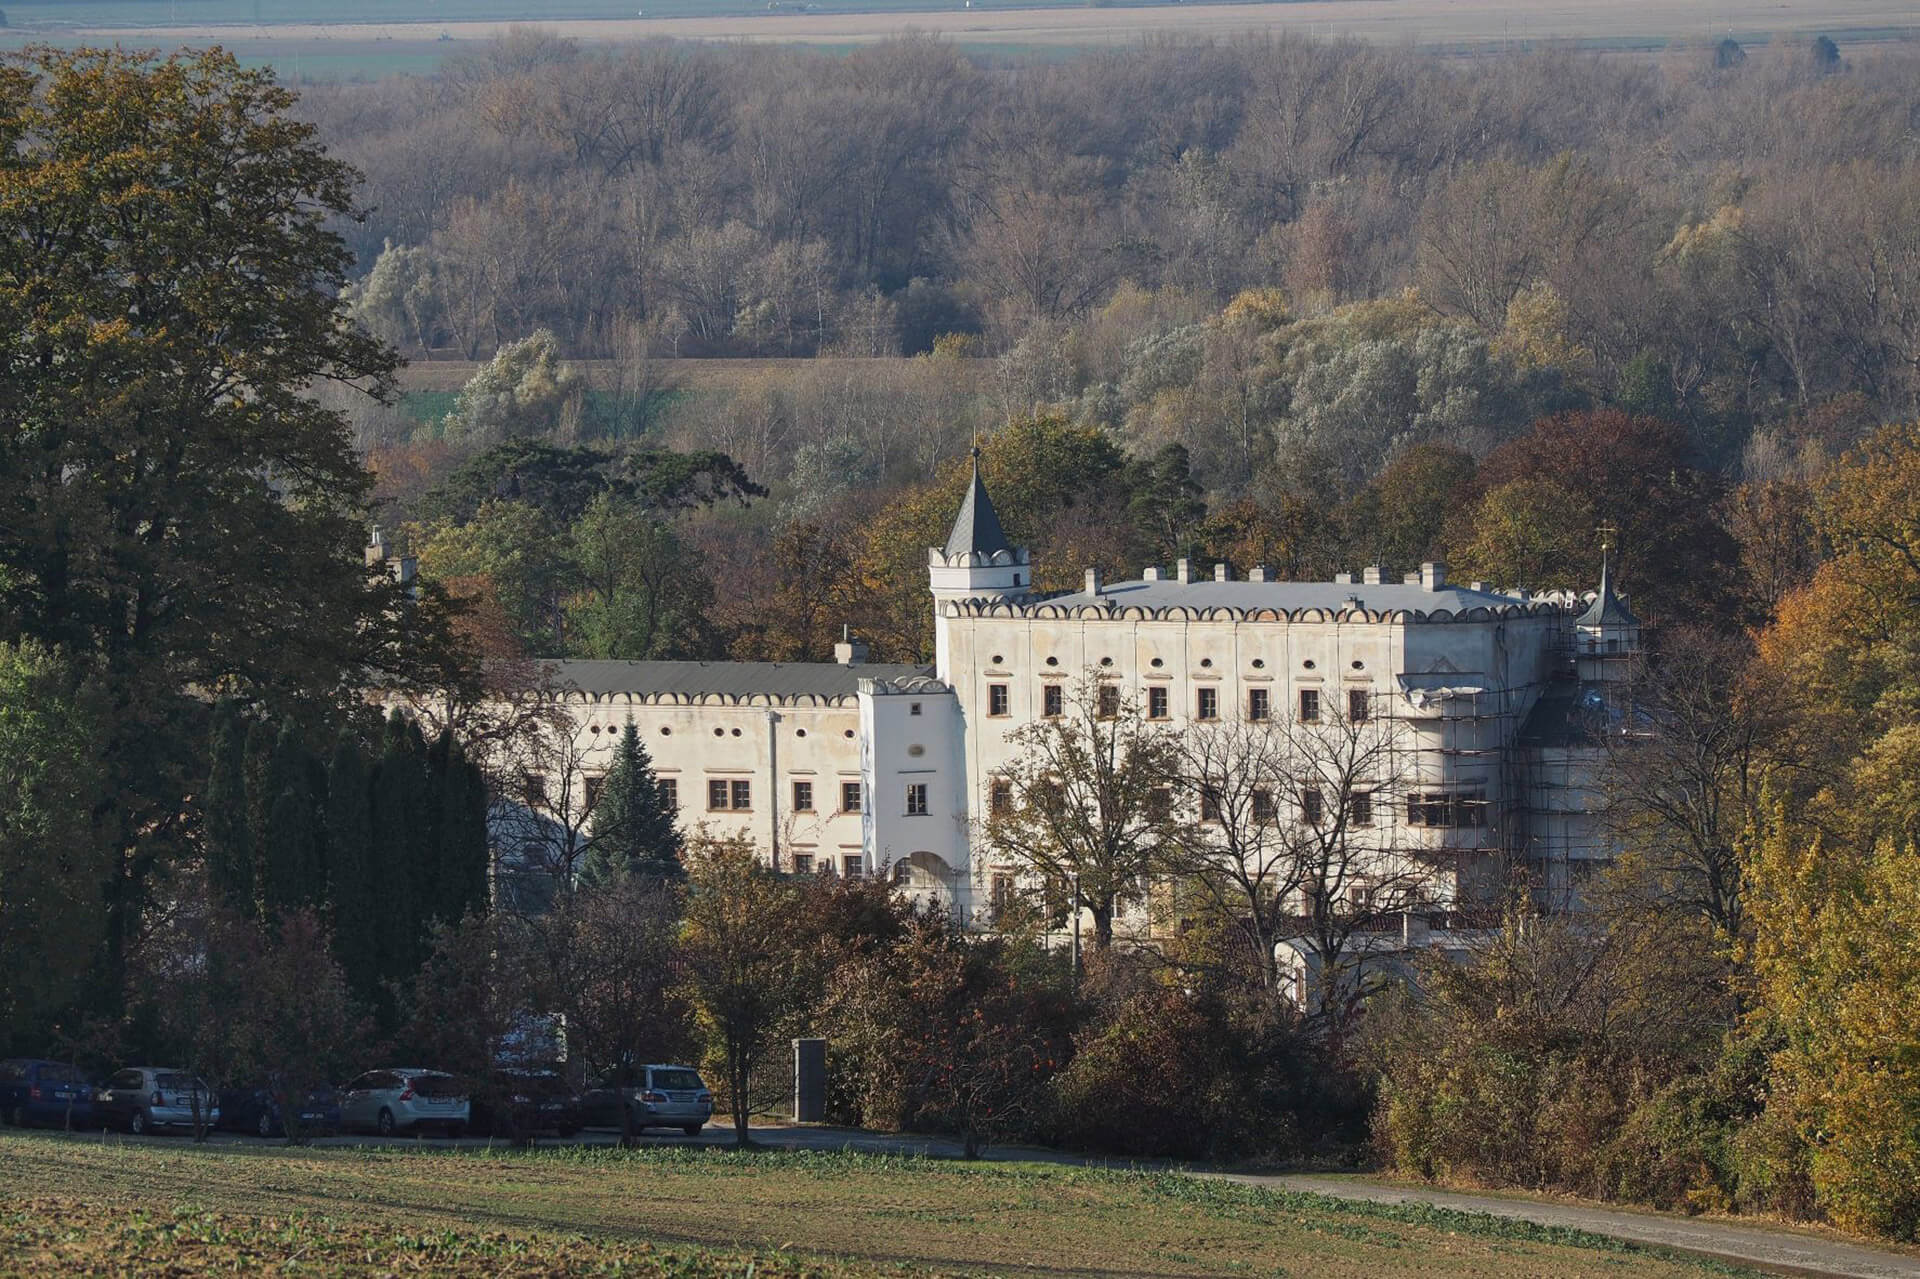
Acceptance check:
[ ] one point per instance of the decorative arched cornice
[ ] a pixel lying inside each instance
(799, 701)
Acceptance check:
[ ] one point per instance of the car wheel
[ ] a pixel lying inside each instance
(18, 1117)
(385, 1123)
(137, 1123)
(265, 1126)
(693, 1130)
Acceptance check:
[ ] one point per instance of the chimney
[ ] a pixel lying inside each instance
(1355, 603)
(1433, 575)
(1476, 586)
(1151, 573)
(376, 547)
(1343, 579)
(1415, 929)
(1371, 575)
(849, 651)
(1093, 581)
(1184, 570)
(1258, 573)
(1223, 572)
(405, 570)
(1409, 579)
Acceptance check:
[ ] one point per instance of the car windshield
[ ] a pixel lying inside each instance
(435, 1086)
(676, 1079)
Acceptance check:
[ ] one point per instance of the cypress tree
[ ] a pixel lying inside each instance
(261, 738)
(462, 833)
(351, 894)
(394, 799)
(229, 844)
(290, 849)
(634, 831)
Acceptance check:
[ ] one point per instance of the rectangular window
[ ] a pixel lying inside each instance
(997, 699)
(1000, 795)
(1157, 702)
(803, 797)
(1209, 806)
(1439, 809)
(1108, 701)
(803, 863)
(917, 799)
(849, 797)
(669, 794)
(1311, 807)
(1263, 806)
(533, 790)
(743, 794)
(717, 795)
(1160, 803)
(850, 865)
(1001, 898)
(1206, 703)
(1360, 808)
(1309, 706)
(594, 785)
(1256, 703)
(1051, 700)
(1359, 705)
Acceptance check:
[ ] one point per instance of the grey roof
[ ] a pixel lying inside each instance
(1607, 608)
(729, 679)
(977, 528)
(1293, 596)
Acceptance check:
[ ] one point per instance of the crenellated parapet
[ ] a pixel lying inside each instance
(1110, 610)
(917, 685)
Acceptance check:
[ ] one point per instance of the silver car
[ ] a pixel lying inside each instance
(404, 1099)
(144, 1099)
(674, 1097)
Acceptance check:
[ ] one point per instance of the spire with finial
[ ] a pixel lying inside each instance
(1607, 609)
(976, 530)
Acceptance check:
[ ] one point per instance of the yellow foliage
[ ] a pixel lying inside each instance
(1535, 334)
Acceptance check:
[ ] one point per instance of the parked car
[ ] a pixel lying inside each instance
(521, 1102)
(255, 1110)
(404, 1099)
(145, 1099)
(663, 1097)
(44, 1092)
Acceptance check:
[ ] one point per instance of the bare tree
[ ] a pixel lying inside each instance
(1292, 842)
(1088, 802)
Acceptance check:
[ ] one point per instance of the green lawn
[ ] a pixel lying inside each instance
(70, 1203)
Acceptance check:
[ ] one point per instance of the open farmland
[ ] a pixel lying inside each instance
(523, 1212)
(365, 38)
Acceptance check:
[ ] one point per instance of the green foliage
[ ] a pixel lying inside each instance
(54, 860)
(353, 895)
(293, 854)
(634, 831)
(561, 482)
(228, 833)
(643, 593)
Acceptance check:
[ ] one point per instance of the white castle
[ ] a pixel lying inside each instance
(850, 767)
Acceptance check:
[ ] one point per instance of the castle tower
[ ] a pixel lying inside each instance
(1606, 638)
(977, 563)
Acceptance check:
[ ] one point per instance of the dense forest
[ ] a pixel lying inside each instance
(1321, 291)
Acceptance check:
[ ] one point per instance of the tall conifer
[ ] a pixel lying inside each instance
(634, 830)
(229, 842)
(351, 889)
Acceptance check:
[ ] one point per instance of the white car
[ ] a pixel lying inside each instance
(404, 1099)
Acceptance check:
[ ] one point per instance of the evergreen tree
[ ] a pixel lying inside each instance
(634, 831)
(462, 833)
(229, 843)
(293, 875)
(396, 804)
(350, 883)
(256, 762)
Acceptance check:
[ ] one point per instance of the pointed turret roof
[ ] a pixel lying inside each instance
(977, 529)
(1607, 608)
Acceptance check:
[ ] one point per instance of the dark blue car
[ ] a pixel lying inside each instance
(254, 1110)
(44, 1092)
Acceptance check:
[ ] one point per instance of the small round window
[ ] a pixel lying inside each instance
(1308, 663)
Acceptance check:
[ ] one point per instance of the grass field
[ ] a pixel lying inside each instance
(66, 1202)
